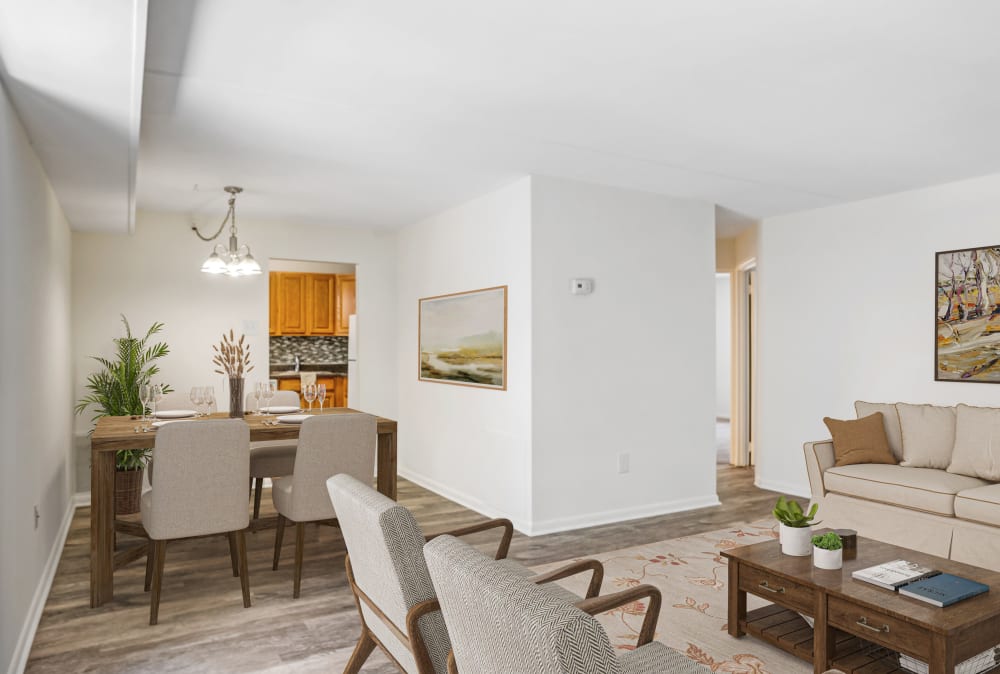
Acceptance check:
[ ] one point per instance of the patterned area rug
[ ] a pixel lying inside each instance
(692, 575)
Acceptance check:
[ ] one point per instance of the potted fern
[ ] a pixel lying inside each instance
(795, 529)
(114, 391)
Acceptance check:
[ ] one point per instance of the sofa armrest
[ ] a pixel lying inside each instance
(819, 458)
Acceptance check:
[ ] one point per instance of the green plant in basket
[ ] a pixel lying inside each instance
(114, 389)
(827, 541)
(790, 513)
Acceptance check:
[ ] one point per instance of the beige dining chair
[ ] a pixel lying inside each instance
(328, 445)
(392, 588)
(270, 458)
(201, 478)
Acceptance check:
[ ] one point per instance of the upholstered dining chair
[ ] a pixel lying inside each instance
(500, 622)
(201, 481)
(270, 458)
(328, 445)
(392, 588)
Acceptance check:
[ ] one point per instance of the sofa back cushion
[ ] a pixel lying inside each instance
(928, 433)
(977, 443)
(890, 417)
(860, 440)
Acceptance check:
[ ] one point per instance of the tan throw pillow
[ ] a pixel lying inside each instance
(977, 443)
(860, 440)
(892, 431)
(928, 435)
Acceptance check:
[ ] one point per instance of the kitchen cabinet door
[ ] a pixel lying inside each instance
(272, 303)
(345, 302)
(292, 314)
(321, 298)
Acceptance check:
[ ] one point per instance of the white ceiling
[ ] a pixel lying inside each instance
(74, 73)
(381, 112)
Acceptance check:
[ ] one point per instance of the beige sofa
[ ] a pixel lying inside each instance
(944, 496)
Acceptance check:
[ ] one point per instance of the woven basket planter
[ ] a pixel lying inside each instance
(128, 491)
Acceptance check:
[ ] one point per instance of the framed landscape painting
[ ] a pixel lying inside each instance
(463, 338)
(967, 315)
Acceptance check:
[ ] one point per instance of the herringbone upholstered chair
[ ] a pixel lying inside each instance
(271, 458)
(391, 584)
(500, 623)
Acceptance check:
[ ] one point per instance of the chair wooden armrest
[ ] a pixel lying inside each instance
(417, 646)
(504, 546)
(581, 566)
(597, 605)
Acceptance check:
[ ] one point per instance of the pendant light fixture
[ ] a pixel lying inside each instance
(235, 260)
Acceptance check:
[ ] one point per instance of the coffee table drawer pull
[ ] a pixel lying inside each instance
(864, 623)
(776, 590)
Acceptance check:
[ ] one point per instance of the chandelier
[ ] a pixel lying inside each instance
(235, 260)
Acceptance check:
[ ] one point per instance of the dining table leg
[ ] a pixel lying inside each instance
(102, 527)
(386, 473)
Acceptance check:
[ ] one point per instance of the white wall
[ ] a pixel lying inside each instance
(629, 368)
(154, 275)
(846, 312)
(310, 267)
(471, 445)
(36, 396)
(723, 346)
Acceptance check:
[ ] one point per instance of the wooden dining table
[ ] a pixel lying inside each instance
(114, 433)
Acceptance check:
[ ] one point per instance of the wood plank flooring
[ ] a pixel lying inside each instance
(204, 627)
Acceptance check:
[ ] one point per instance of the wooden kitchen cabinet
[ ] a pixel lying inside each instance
(292, 314)
(345, 302)
(272, 303)
(336, 391)
(321, 300)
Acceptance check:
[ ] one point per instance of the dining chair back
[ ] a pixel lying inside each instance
(202, 468)
(280, 399)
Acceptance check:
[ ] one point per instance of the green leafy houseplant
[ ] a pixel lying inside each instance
(827, 541)
(114, 389)
(790, 513)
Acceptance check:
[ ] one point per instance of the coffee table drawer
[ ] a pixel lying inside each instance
(876, 626)
(781, 591)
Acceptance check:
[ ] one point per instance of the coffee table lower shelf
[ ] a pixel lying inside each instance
(787, 630)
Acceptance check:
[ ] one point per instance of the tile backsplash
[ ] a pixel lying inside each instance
(308, 349)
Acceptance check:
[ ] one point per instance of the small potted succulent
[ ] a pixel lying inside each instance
(795, 528)
(828, 551)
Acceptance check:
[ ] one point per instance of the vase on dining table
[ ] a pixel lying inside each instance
(236, 398)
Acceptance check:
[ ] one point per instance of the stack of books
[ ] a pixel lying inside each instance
(893, 575)
(977, 664)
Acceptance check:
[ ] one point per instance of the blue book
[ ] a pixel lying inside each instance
(943, 589)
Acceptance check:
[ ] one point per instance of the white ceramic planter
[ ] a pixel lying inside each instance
(828, 559)
(795, 541)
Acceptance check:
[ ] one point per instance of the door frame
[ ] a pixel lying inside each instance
(744, 402)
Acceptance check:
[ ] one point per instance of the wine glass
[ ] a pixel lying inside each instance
(258, 393)
(309, 393)
(208, 398)
(197, 398)
(321, 395)
(269, 390)
(157, 396)
(145, 396)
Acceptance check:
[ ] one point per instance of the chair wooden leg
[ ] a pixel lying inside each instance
(300, 535)
(160, 554)
(241, 546)
(278, 535)
(362, 650)
(258, 488)
(233, 557)
(150, 556)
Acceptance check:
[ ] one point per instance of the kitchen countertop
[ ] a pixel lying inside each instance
(287, 370)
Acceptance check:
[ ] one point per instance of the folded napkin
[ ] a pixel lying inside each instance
(307, 378)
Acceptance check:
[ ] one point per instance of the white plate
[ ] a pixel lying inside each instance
(280, 409)
(175, 414)
(293, 418)
(157, 424)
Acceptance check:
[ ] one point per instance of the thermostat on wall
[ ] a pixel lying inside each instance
(581, 286)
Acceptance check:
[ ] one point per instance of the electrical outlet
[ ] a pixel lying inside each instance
(622, 463)
(37, 517)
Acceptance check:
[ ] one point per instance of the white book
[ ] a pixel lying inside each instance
(892, 575)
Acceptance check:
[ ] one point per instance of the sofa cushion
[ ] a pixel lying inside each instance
(890, 417)
(859, 441)
(977, 442)
(981, 504)
(928, 433)
(923, 489)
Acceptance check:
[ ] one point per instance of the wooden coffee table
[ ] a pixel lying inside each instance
(858, 626)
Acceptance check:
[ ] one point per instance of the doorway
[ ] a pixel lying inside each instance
(723, 367)
(744, 399)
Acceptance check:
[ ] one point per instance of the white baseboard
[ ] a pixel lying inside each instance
(81, 499)
(789, 488)
(23, 646)
(560, 523)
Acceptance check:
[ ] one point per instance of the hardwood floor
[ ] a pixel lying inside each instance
(204, 627)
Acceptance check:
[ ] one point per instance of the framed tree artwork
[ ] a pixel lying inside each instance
(967, 315)
(463, 338)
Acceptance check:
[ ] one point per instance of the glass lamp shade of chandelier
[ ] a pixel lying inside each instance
(234, 261)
